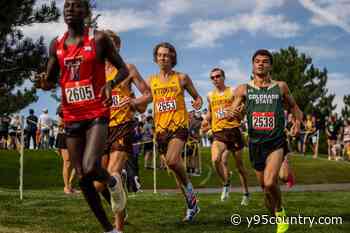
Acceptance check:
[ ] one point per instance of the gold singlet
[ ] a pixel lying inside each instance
(168, 103)
(218, 103)
(119, 112)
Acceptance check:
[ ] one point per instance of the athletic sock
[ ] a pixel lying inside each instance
(112, 182)
(189, 188)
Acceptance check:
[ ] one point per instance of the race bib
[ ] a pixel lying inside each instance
(79, 92)
(220, 113)
(116, 100)
(166, 105)
(263, 121)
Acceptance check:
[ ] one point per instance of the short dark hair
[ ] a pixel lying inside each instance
(31, 111)
(219, 69)
(171, 49)
(263, 52)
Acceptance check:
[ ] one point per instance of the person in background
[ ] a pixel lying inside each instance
(32, 121)
(45, 123)
(4, 131)
(346, 138)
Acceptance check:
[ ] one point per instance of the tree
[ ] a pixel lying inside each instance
(345, 112)
(20, 57)
(306, 82)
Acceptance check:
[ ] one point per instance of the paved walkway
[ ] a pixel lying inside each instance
(296, 188)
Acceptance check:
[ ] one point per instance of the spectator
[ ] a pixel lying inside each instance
(205, 139)
(14, 131)
(332, 131)
(195, 122)
(4, 131)
(132, 166)
(32, 122)
(44, 125)
(346, 138)
(148, 129)
(311, 134)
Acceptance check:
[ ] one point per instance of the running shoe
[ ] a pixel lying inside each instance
(225, 193)
(282, 224)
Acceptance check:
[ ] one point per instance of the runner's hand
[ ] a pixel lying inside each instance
(197, 103)
(40, 81)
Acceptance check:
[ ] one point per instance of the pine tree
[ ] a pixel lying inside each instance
(20, 56)
(306, 82)
(345, 112)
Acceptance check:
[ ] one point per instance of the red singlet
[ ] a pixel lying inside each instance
(82, 77)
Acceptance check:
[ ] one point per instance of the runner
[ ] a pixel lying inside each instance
(227, 136)
(79, 58)
(265, 100)
(171, 117)
(121, 123)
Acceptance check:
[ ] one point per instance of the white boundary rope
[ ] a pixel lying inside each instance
(154, 167)
(21, 159)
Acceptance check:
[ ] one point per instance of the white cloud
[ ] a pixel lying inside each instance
(234, 72)
(338, 84)
(320, 52)
(125, 20)
(174, 7)
(335, 12)
(235, 75)
(205, 33)
(266, 5)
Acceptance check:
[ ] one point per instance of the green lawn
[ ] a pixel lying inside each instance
(45, 209)
(50, 211)
(42, 170)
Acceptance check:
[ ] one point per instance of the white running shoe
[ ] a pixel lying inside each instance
(137, 183)
(118, 195)
(225, 193)
(245, 200)
(191, 213)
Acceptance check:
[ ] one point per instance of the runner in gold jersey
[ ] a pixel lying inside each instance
(121, 128)
(171, 117)
(226, 134)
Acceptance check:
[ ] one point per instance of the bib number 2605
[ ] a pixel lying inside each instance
(79, 94)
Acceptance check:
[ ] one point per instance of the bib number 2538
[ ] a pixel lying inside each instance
(264, 120)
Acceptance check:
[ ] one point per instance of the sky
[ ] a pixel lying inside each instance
(220, 33)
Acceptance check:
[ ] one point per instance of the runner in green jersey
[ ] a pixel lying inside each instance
(265, 100)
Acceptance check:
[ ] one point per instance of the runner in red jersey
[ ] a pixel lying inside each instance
(79, 57)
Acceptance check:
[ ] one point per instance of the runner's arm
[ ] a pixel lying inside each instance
(188, 85)
(235, 111)
(140, 102)
(292, 105)
(106, 51)
(47, 80)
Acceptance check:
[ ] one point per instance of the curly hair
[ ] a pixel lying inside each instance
(171, 49)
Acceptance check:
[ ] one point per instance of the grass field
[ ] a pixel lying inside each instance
(42, 170)
(45, 209)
